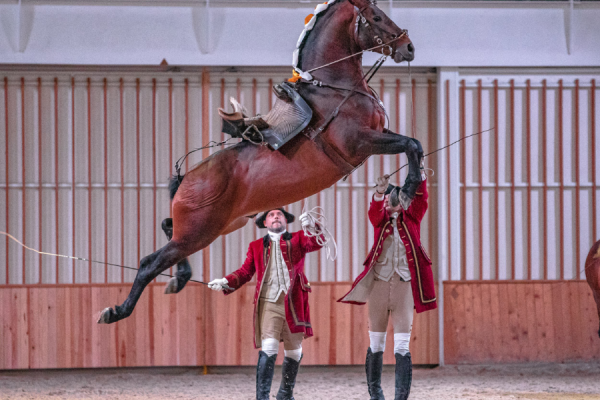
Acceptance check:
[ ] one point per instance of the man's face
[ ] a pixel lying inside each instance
(275, 221)
(390, 209)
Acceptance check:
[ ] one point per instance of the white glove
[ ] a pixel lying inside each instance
(217, 284)
(306, 220)
(422, 167)
(382, 184)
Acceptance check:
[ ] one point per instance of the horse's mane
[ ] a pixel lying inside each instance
(309, 27)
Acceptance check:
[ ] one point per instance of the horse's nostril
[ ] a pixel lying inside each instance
(411, 48)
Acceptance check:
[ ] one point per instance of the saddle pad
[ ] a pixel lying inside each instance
(286, 119)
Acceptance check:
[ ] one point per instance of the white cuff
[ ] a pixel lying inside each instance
(377, 341)
(293, 354)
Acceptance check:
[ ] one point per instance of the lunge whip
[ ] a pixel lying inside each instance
(94, 261)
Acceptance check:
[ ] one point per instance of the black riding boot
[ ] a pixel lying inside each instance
(289, 370)
(403, 376)
(373, 367)
(264, 375)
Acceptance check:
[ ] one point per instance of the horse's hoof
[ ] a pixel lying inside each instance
(106, 316)
(404, 200)
(171, 287)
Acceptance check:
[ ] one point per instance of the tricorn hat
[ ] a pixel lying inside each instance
(260, 221)
(389, 189)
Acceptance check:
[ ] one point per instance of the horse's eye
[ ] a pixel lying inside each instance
(377, 18)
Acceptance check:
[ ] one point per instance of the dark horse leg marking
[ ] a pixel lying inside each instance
(388, 142)
(184, 270)
(150, 267)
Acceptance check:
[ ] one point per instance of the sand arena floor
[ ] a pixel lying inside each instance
(497, 382)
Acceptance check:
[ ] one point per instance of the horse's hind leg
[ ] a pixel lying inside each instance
(150, 267)
(184, 270)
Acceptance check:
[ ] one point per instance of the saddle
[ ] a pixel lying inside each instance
(288, 117)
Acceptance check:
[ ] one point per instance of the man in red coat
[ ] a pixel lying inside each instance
(281, 299)
(397, 279)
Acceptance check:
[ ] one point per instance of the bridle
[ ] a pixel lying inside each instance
(362, 21)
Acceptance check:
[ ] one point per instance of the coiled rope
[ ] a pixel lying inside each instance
(317, 228)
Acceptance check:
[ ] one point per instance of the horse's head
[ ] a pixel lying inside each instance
(374, 28)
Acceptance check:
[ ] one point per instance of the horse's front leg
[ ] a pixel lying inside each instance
(150, 267)
(388, 142)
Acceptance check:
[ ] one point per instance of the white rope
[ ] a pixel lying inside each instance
(317, 228)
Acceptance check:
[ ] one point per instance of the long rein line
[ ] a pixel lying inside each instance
(360, 52)
(83, 259)
(442, 148)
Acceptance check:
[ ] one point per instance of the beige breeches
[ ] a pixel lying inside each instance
(391, 298)
(273, 324)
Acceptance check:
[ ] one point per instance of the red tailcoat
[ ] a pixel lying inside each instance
(294, 247)
(419, 263)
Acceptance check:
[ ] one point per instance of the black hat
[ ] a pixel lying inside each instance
(260, 221)
(389, 189)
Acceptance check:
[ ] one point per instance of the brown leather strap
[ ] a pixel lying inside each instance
(332, 153)
(329, 85)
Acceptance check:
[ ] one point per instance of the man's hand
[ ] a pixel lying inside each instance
(306, 220)
(218, 284)
(382, 184)
(422, 167)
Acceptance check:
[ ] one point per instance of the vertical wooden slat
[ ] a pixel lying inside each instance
(561, 224)
(223, 239)
(73, 232)
(545, 180)
(513, 176)
(89, 174)
(463, 189)
(122, 173)
(448, 169)
(105, 100)
(138, 166)
(154, 222)
(56, 180)
(40, 199)
(496, 186)
(480, 167)
(413, 111)
(23, 187)
(593, 155)
(431, 143)
(170, 146)
(6, 166)
(205, 153)
(577, 187)
(350, 227)
(529, 183)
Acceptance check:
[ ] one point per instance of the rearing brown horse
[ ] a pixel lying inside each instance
(216, 195)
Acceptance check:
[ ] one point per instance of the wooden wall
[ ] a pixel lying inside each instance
(496, 321)
(53, 326)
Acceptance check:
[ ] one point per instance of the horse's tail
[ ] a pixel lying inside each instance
(174, 182)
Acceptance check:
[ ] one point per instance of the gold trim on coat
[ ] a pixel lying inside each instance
(417, 266)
